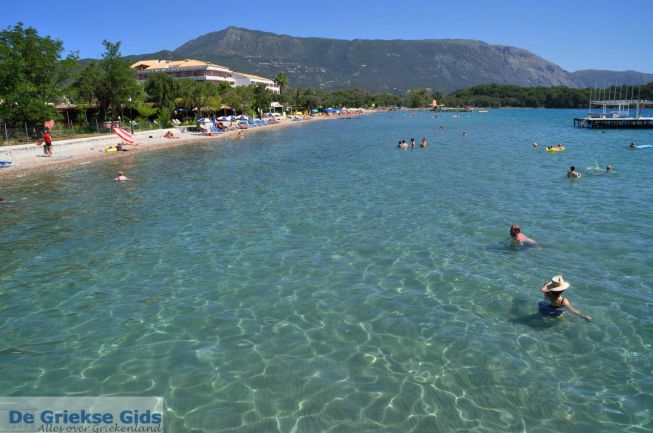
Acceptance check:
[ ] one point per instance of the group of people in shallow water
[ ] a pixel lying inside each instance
(555, 303)
(403, 145)
(572, 173)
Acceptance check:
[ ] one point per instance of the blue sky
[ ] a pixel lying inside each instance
(569, 33)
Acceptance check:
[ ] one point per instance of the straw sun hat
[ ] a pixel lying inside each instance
(557, 284)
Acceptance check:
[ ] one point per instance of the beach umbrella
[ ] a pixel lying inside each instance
(126, 136)
(242, 117)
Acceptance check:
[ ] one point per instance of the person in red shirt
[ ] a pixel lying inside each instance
(47, 143)
(519, 237)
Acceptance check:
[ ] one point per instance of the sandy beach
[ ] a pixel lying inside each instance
(29, 159)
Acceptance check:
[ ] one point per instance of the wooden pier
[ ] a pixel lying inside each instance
(620, 117)
(614, 123)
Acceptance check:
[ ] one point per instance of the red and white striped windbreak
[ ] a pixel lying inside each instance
(124, 135)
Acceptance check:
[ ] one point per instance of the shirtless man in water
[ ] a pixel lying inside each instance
(573, 173)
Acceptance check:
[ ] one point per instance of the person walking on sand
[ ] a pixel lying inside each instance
(519, 237)
(556, 303)
(573, 173)
(121, 177)
(47, 143)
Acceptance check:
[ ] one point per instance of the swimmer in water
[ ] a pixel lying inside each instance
(608, 169)
(423, 143)
(519, 237)
(573, 173)
(632, 145)
(121, 177)
(553, 290)
(412, 143)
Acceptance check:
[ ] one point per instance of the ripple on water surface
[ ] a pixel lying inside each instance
(318, 279)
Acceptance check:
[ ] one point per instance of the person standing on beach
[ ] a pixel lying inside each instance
(47, 143)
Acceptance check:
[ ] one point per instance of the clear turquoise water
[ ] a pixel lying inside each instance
(317, 279)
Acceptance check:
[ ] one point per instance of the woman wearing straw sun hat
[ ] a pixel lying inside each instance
(555, 303)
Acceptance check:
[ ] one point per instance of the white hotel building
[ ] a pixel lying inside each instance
(200, 71)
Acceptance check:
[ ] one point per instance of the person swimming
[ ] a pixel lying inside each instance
(423, 143)
(555, 303)
(632, 145)
(608, 169)
(412, 143)
(121, 177)
(573, 173)
(519, 237)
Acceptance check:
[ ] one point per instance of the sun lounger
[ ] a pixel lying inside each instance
(212, 131)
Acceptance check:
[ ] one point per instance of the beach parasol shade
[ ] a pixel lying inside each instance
(126, 136)
(242, 117)
(49, 124)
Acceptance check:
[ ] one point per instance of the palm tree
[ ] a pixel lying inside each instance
(282, 81)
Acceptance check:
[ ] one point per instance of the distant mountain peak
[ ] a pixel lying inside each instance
(386, 65)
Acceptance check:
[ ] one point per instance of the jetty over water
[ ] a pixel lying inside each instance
(615, 113)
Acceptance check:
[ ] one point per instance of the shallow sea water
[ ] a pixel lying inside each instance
(317, 279)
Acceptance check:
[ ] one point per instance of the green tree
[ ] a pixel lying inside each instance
(193, 95)
(84, 88)
(387, 100)
(240, 99)
(281, 80)
(162, 90)
(28, 81)
(419, 98)
(117, 83)
(261, 99)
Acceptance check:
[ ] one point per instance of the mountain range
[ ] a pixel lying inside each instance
(394, 66)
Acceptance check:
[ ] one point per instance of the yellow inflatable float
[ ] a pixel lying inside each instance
(555, 149)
